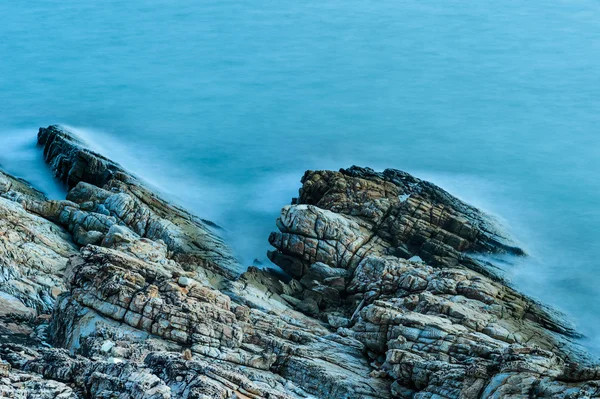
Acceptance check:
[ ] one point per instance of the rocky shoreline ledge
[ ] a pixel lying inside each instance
(116, 293)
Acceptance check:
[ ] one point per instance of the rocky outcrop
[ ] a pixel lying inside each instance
(387, 295)
(33, 258)
(113, 192)
(408, 216)
(395, 263)
(152, 299)
(33, 252)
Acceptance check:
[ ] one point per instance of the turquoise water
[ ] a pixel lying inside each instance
(224, 104)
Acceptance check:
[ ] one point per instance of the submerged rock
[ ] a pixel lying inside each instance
(388, 296)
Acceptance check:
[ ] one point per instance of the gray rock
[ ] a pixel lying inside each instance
(449, 327)
(184, 281)
(92, 177)
(147, 303)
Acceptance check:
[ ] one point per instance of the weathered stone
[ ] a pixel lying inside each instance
(112, 190)
(449, 327)
(33, 252)
(385, 300)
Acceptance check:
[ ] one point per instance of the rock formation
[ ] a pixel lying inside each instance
(125, 201)
(116, 293)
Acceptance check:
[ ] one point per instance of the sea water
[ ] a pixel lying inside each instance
(222, 105)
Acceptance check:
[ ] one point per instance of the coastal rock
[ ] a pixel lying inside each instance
(449, 327)
(33, 253)
(109, 287)
(408, 216)
(386, 296)
(120, 197)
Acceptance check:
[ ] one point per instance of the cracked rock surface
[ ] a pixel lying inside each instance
(116, 293)
(395, 263)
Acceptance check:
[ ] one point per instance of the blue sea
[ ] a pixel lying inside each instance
(222, 105)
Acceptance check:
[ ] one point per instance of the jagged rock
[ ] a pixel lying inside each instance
(449, 327)
(386, 296)
(33, 252)
(113, 193)
(111, 286)
(413, 216)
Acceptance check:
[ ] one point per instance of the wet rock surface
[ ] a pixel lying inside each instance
(114, 196)
(395, 263)
(116, 293)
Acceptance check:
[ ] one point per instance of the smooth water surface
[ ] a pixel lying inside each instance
(223, 105)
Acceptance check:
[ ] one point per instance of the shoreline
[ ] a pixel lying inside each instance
(137, 281)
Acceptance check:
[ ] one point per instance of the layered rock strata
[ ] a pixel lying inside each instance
(126, 201)
(114, 292)
(396, 263)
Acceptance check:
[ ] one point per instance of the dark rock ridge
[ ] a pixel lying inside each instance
(188, 238)
(389, 296)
